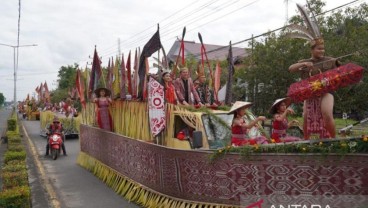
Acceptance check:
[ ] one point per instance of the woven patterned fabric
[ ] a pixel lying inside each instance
(189, 175)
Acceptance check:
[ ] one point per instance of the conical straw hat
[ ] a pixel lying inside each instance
(287, 101)
(239, 104)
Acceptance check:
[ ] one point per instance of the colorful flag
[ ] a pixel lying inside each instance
(123, 79)
(47, 92)
(80, 88)
(96, 74)
(153, 45)
(156, 107)
(116, 79)
(129, 75)
(109, 73)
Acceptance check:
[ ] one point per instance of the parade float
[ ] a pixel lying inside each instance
(165, 171)
(150, 161)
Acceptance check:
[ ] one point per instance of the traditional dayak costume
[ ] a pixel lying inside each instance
(315, 123)
(170, 96)
(204, 92)
(239, 135)
(279, 127)
(104, 119)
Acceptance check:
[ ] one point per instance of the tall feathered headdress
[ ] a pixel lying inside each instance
(310, 32)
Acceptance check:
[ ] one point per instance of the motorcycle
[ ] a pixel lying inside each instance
(55, 141)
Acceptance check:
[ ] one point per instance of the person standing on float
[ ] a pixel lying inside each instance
(103, 102)
(184, 88)
(318, 111)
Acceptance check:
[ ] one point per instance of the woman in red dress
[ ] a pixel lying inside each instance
(239, 127)
(103, 102)
(170, 95)
(280, 110)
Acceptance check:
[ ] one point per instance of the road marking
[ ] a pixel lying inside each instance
(50, 190)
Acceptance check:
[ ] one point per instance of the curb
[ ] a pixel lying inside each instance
(49, 189)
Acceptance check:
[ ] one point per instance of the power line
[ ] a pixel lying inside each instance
(277, 29)
(200, 16)
(145, 36)
(136, 36)
(260, 35)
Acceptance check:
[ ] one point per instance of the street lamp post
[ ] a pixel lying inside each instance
(15, 68)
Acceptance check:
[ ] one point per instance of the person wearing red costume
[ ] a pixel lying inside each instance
(103, 102)
(239, 127)
(280, 110)
(318, 111)
(170, 94)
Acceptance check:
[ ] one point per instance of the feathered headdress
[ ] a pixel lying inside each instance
(310, 32)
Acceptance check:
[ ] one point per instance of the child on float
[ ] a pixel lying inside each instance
(240, 128)
(280, 110)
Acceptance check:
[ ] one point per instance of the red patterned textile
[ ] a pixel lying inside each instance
(315, 124)
(233, 180)
(329, 81)
(156, 106)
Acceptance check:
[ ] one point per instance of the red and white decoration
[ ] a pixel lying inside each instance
(156, 106)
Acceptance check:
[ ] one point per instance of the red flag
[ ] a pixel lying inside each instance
(145, 80)
(129, 75)
(96, 73)
(80, 88)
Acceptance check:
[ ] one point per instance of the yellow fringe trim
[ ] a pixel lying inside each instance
(135, 192)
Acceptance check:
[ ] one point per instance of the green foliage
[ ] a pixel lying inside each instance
(14, 167)
(12, 134)
(16, 162)
(17, 197)
(2, 99)
(13, 179)
(66, 75)
(15, 147)
(14, 141)
(323, 147)
(12, 124)
(10, 155)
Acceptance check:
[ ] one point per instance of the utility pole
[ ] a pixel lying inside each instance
(16, 68)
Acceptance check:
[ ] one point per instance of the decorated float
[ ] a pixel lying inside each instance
(165, 171)
(150, 159)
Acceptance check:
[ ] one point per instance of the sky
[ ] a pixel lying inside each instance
(67, 31)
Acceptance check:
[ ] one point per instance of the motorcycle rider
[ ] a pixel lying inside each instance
(56, 127)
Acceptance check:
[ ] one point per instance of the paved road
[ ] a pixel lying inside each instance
(73, 186)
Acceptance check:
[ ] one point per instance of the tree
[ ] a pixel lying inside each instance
(67, 75)
(2, 99)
